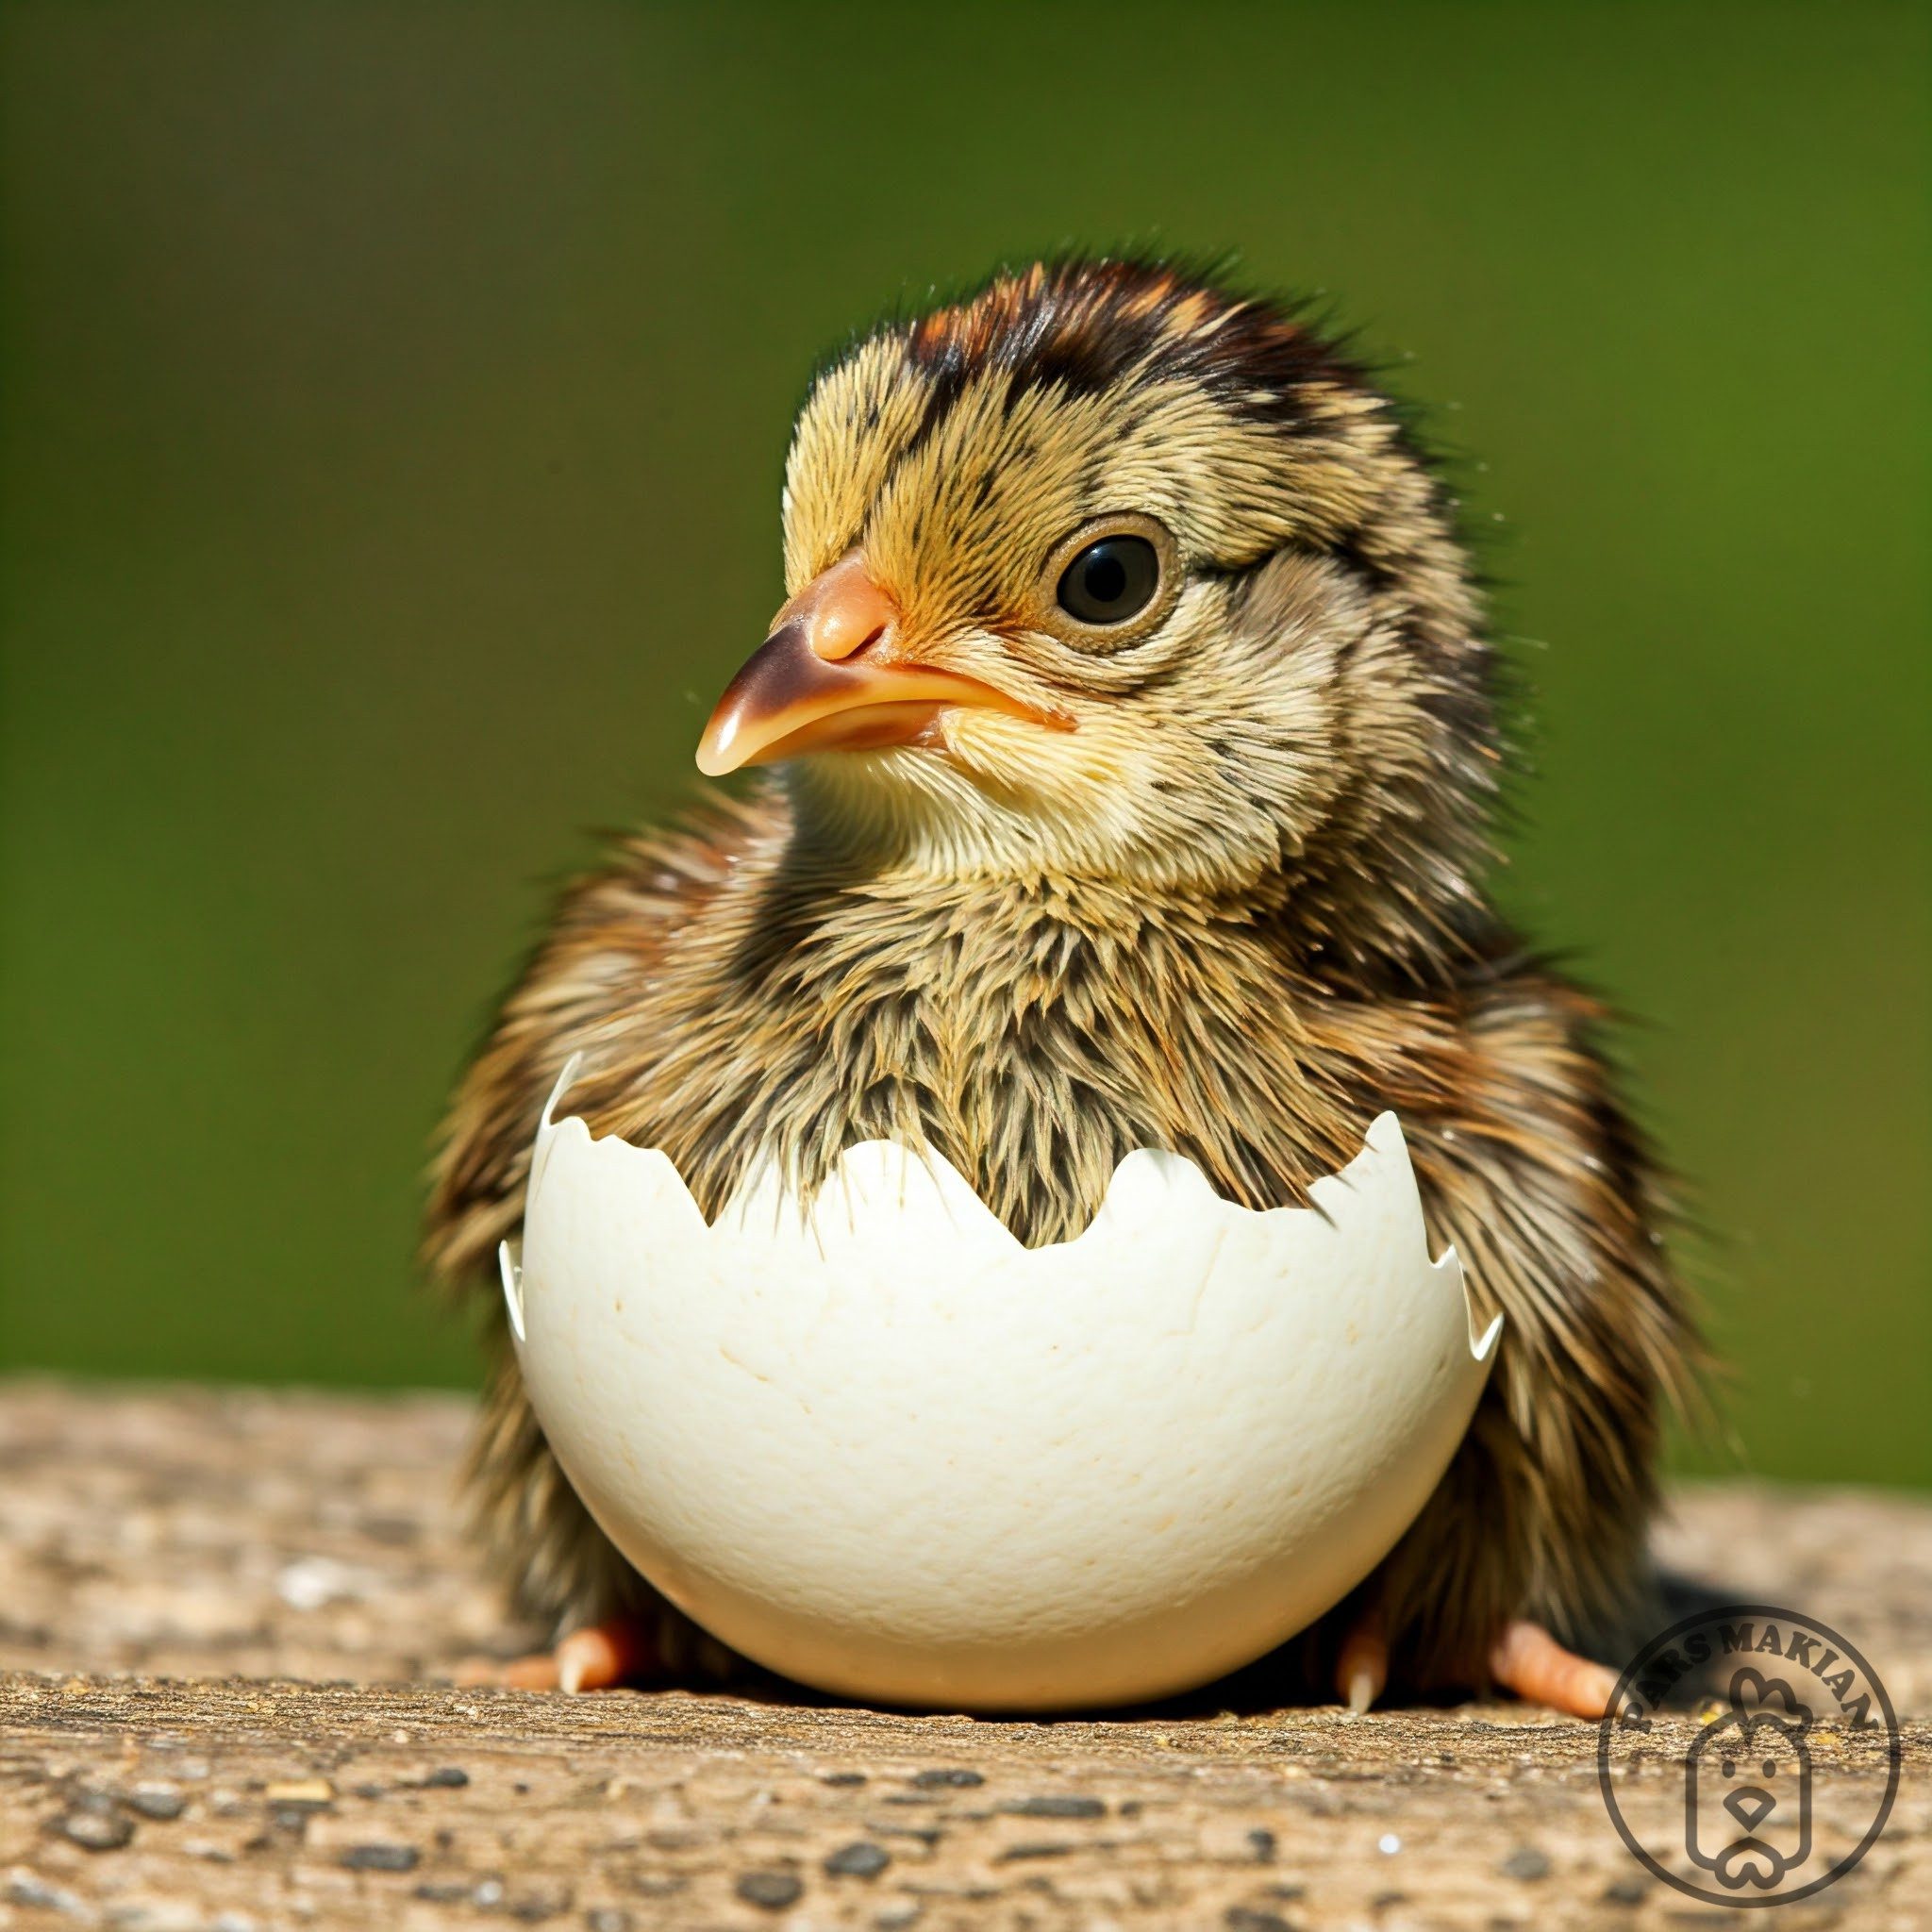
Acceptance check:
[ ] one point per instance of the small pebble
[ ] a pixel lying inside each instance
(1056, 1806)
(896, 1918)
(1388, 1844)
(444, 1894)
(947, 1777)
(24, 1888)
(1037, 1848)
(773, 1890)
(448, 1777)
(607, 1919)
(311, 1794)
(860, 1861)
(1526, 1862)
(153, 1798)
(927, 1836)
(380, 1859)
(841, 1778)
(97, 1827)
(162, 1916)
(1248, 1919)
(1261, 1842)
(1625, 1891)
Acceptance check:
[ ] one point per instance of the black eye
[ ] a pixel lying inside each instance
(1111, 580)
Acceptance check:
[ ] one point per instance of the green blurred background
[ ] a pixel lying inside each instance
(395, 400)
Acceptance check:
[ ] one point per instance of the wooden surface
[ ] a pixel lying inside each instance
(223, 1618)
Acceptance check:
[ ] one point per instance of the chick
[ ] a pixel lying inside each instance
(1134, 741)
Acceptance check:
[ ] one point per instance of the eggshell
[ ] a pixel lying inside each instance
(884, 1449)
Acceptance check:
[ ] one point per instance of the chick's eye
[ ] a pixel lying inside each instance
(1111, 580)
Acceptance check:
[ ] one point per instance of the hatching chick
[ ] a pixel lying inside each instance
(1135, 740)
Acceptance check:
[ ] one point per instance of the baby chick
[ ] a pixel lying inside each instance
(1135, 740)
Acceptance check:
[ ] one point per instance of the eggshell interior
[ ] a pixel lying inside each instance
(882, 1448)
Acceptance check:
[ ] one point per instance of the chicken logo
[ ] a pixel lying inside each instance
(1747, 1787)
(1749, 1756)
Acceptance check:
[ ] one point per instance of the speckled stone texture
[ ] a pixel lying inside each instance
(224, 1616)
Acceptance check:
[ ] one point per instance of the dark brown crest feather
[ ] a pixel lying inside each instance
(1085, 327)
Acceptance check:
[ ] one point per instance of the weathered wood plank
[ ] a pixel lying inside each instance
(218, 1546)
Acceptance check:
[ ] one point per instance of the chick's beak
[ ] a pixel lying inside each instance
(835, 675)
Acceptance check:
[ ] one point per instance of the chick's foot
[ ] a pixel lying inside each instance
(1525, 1658)
(599, 1657)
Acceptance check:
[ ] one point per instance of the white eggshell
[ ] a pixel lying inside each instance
(884, 1449)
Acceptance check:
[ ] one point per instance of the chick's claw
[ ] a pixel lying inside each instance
(1361, 1670)
(600, 1657)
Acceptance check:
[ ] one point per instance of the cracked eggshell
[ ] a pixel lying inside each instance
(882, 1448)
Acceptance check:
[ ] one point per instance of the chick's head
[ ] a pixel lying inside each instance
(1106, 572)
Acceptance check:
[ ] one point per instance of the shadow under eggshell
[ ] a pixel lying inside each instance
(884, 1449)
